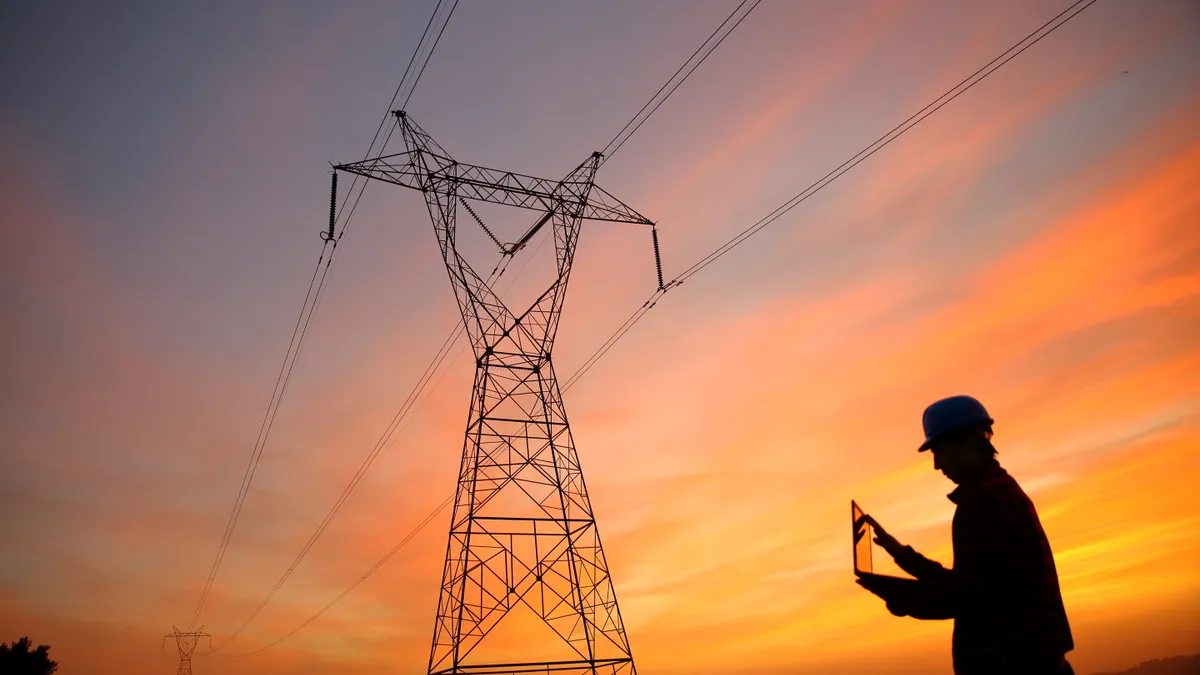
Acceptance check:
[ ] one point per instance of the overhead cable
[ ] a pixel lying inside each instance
(412, 401)
(264, 429)
(312, 298)
(900, 129)
(718, 36)
(735, 18)
(373, 569)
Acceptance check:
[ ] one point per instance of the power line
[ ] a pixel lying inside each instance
(308, 308)
(445, 23)
(391, 104)
(916, 118)
(264, 429)
(410, 403)
(689, 66)
(394, 425)
(723, 30)
(374, 568)
(433, 20)
(703, 51)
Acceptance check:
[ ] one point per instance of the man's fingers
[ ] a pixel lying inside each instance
(888, 544)
(875, 524)
(885, 540)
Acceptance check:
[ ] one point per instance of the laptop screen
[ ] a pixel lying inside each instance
(862, 539)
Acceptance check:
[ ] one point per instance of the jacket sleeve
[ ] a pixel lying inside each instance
(930, 598)
(921, 567)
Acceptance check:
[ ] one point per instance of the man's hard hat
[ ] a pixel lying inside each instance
(952, 413)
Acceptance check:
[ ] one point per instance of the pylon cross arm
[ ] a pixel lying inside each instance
(420, 170)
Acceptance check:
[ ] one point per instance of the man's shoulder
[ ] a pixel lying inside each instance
(996, 490)
(1004, 497)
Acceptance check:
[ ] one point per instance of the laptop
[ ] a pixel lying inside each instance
(882, 585)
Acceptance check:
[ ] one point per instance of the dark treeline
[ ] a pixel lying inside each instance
(1176, 665)
(19, 659)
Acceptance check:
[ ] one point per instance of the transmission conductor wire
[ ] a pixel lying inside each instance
(391, 130)
(393, 427)
(264, 430)
(391, 106)
(374, 568)
(345, 224)
(387, 114)
(636, 122)
(897, 131)
(296, 342)
(615, 144)
(445, 23)
(707, 47)
(363, 468)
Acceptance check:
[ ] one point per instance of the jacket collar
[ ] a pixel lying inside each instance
(977, 483)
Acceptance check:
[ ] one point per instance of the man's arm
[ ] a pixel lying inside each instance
(908, 559)
(930, 596)
(921, 567)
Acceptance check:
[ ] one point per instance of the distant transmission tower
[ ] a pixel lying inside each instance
(524, 553)
(186, 643)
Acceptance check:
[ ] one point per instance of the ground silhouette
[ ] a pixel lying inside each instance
(19, 660)
(1175, 665)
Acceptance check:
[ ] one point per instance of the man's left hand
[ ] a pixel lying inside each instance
(895, 605)
(896, 608)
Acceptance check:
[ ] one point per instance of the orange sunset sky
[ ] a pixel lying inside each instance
(1036, 243)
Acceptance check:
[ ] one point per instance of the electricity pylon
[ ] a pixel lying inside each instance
(186, 643)
(523, 538)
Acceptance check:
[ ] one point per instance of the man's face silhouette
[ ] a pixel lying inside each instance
(956, 455)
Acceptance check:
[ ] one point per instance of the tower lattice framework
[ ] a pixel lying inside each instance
(523, 537)
(186, 643)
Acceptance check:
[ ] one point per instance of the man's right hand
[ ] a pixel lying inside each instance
(886, 541)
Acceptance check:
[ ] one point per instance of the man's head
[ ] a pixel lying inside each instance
(959, 453)
(959, 432)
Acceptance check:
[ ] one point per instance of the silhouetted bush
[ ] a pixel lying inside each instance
(18, 660)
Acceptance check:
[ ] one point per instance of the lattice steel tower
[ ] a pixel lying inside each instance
(523, 547)
(186, 644)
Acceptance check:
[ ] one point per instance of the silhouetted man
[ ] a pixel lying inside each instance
(1003, 591)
